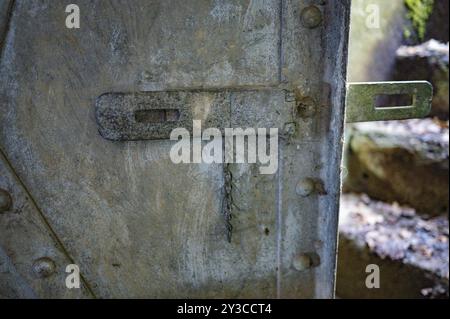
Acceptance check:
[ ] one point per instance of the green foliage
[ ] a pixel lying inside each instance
(419, 12)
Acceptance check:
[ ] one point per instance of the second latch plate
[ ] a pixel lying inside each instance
(361, 99)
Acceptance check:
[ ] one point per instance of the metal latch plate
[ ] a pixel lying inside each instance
(361, 101)
(153, 115)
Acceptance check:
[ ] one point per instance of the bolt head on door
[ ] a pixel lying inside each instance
(5, 201)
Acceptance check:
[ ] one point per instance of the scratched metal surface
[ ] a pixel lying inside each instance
(137, 224)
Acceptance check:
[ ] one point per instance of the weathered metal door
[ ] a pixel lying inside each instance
(81, 186)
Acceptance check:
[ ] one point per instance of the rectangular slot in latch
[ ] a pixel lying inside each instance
(157, 116)
(393, 100)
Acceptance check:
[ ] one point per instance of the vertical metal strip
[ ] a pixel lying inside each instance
(338, 16)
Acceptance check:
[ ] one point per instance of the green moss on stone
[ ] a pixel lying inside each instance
(419, 12)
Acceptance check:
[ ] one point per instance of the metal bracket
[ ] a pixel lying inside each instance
(153, 115)
(362, 97)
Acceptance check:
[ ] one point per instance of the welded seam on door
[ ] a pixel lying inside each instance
(44, 219)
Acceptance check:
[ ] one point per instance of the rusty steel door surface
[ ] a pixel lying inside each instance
(79, 186)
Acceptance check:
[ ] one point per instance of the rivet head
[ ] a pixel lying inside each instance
(305, 261)
(146, 75)
(305, 187)
(311, 17)
(5, 201)
(44, 267)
